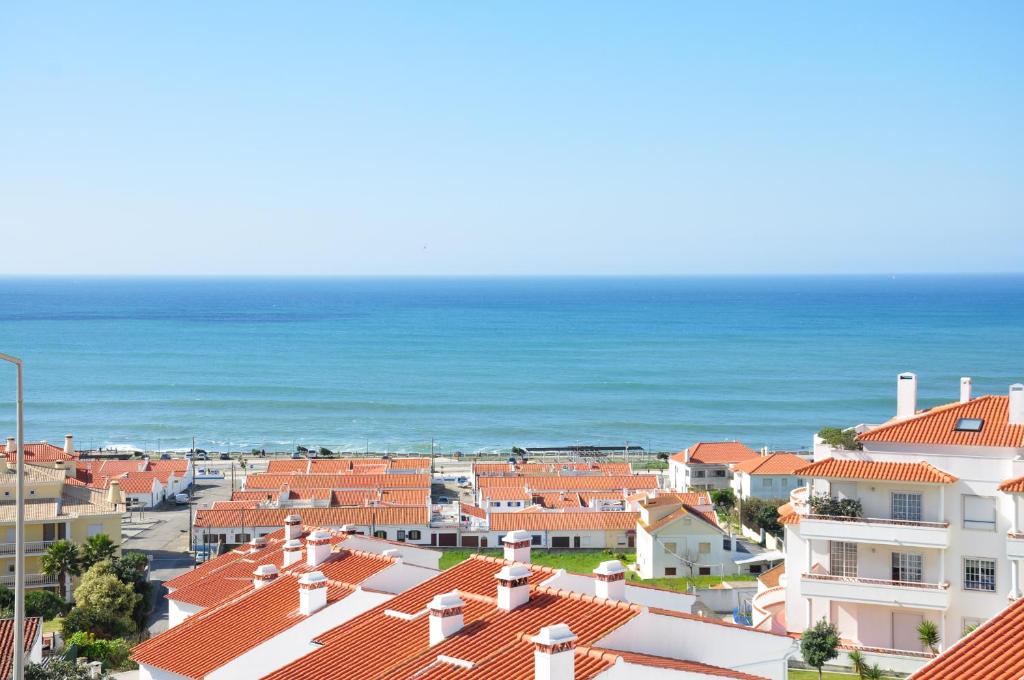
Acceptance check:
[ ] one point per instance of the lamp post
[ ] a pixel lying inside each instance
(19, 532)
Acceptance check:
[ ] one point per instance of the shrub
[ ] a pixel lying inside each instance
(100, 588)
(724, 499)
(113, 654)
(819, 644)
(102, 623)
(823, 504)
(758, 513)
(839, 438)
(45, 603)
(58, 669)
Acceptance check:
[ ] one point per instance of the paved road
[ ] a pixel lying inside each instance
(163, 534)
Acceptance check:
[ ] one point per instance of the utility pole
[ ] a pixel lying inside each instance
(431, 455)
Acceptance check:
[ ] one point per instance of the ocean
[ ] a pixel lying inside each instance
(487, 363)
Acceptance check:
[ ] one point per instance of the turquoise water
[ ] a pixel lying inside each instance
(488, 363)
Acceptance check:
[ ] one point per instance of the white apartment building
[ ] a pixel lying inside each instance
(937, 537)
(706, 465)
(768, 476)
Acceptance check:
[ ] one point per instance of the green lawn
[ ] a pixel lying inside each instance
(682, 583)
(53, 625)
(579, 561)
(813, 675)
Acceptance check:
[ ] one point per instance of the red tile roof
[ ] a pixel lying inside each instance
(506, 469)
(327, 517)
(839, 468)
(936, 426)
(334, 481)
(788, 514)
(994, 651)
(673, 664)
(774, 464)
(540, 483)
(584, 520)
(32, 625)
(40, 452)
(506, 493)
(472, 510)
(708, 453)
(1013, 485)
(488, 638)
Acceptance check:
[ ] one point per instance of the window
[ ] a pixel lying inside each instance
(95, 529)
(979, 512)
(536, 539)
(906, 567)
(969, 424)
(699, 474)
(380, 534)
(670, 571)
(704, 571)
(843, 558)
(969, 624)
(906, 506)
(726, 544)
(242, 538)
(401, 534)
(559, 541)
(704, 548)
(755, 568)
(414, 535)
(767, 482)
(979, 574)
(670, 547)
(719, 473)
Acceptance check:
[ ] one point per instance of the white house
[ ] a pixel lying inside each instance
(936, 539)
(767, 476)
(675, 539)
(706, 465)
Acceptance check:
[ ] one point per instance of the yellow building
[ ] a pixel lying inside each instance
(55, 508)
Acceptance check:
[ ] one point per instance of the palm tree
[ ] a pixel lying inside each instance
(96, 549)
(928, 634)
(860, 666)
(61, 560)
(873, 673)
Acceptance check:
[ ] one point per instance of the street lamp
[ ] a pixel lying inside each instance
(19, 533)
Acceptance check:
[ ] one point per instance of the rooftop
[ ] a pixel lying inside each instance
(41, 452)
(535, 483)
(32, 627)
(585, 520)
(993, 651)
(709, 453)
(773, 464)
(267, 517)
(840, 468)
(939, 425)
(1013, 485)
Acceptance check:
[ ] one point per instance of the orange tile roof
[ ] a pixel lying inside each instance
(506, 493)
(994, 651)
(774, 464)
(770, 578)
(674, 664)
(936, 426)
(840, 468)
(710, 453)
(40, 452)
(264, 480)
(550, 468)
(136, 484)
(1013, 485)
(32, 624)
(539, 483)
(788, 514)
(472, 510)
(584, 520)
(488, 638)
(261, 496)
(327, 517)
(683, 510)
(410, 463)
(287, 466)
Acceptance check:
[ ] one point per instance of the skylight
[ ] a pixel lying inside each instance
(969, 425)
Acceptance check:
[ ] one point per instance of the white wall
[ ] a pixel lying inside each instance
(420, 557)
(648, 597)
(735, 647)
(622, 670)
(179, 611)
(398, 578)
(154, 673)
(687, 533)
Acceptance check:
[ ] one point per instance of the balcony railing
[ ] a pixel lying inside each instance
(798, 499)
(765, 606)
(30, 547)
(31, 580)
(881, 520)
(887, 651)
(876, 581)
(1015, 545)
(914, 594)
(879, 530)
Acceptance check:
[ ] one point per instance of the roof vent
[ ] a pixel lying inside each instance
(318, 547)
(517, 546)
(513, 586)
(554, 657)
(610, 580)
(445, 616)
(292, 552)
(264, 574)
(1017, 404)
(312, 593)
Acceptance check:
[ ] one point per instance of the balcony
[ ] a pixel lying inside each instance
(798, 499)
(876, 591)
(768, 610)
(31, 581)
(1015, 545)
(31, 548)
(876, 530)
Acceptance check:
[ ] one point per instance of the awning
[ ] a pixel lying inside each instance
(769, 556)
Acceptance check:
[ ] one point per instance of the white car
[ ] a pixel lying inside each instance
(181, 498)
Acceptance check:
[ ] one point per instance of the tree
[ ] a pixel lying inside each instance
(113, 654)
(928, 634)
(819, 644)
(873, 673)
(758, 513)
(724, 499)
(99, 622)
(839, 438)
(860, 666)
(102, 589)
(61, 560)
(58, 669)
(96, 549)
(45, 603)
(131, 568)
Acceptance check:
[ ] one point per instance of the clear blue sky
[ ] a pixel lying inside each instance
(511, 138)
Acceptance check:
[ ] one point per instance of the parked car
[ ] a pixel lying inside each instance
(224, 456)
(189, 455)
(462, 481)
(444, 500)
(181, 498)
(202, 455)
(296, 455)
(165, 456)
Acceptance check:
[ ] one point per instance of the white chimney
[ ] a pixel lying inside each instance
(292, 552)
(517, 546)
(312, 593)
(513, 589)
(69, 445)
(114, 493)
(610, 580)
(906, 395)
(12, 445)
(965, 390)
(1016, 404)
(393, 553)
(318, 547)
(554, 657)
(264, 574)
(292, 527)
(445, 616)
(258, 543)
